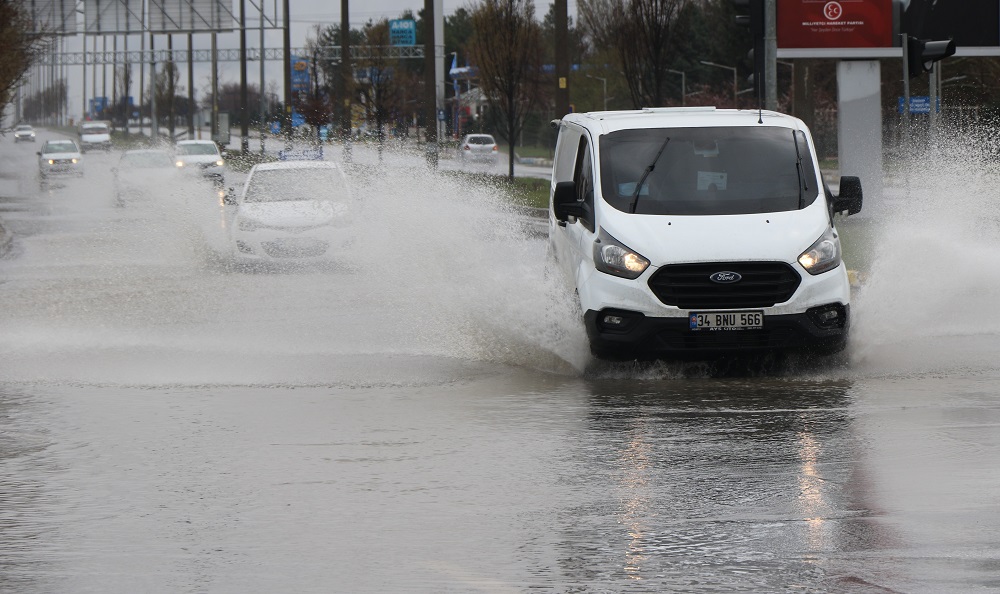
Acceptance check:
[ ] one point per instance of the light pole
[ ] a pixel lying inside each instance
(604, 81)
(733, 68)
(683, 85)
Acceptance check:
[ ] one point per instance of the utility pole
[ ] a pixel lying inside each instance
(263, 105)
(244, 124)
(562, 60)
(190, 110)
(430, 85)
(770, 55)
(287, 34)
(346, 77)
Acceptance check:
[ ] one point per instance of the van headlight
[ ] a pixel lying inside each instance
(614, 258)
(823, 255)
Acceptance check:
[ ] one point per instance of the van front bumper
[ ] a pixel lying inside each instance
(643, 337)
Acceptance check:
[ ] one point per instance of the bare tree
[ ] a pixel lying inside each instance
(20, 46)
(377, 79)
(640, 31)
(506, 46)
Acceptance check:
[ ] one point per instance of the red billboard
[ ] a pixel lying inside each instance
(834, 23)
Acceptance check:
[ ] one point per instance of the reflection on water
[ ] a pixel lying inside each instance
(718, 484)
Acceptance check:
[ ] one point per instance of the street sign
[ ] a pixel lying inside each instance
(441, 117)
(300, 75)
(919, 104)
(403, 32)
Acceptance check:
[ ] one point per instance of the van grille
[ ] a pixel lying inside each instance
(688, 286)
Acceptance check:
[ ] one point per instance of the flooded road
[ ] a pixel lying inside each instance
(422, 416)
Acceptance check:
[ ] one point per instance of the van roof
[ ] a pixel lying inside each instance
(604, 122)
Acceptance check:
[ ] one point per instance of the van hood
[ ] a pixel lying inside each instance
(774, 236)
(293, 213)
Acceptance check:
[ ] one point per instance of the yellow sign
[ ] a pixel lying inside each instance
(300, 65)
(562, 82)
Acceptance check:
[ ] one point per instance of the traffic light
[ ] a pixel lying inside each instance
(922, 53)
(754, 18)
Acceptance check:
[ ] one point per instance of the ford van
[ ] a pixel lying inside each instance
(699, 233)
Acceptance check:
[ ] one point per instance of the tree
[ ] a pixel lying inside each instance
(377, 79)
(506, 47)
(640, 31)
(20, 46)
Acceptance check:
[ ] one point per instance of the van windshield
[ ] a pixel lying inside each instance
(708, 171)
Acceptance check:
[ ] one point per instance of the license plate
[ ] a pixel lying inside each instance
(726, 320)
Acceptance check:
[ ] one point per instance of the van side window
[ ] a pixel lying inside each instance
(583, 176)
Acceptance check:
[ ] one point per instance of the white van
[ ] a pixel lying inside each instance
(95, 135)
(699, 233)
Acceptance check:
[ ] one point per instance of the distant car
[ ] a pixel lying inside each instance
(479, 148)
(292, 211)
(95, 136)
(142, 171)
(59, 158)
(25, 133)
(201, 156)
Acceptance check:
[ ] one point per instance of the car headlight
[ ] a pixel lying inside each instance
(823, 255)
(52, 162)
(219, 163)
(74, 160)
(247, 225)
(614, 258)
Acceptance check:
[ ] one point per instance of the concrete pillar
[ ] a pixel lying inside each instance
(860, 125)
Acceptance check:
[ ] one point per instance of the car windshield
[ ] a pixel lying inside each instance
(708, 171)
(95, 129)
(197, 149)
(287, 185)
(155, 160)
(59, 147)
(481, 140)
(23, 129)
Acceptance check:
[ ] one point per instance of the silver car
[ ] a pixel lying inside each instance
(24, 132)
(479, 148)
(59, 158)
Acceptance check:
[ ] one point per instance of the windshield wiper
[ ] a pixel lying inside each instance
(645, 174)
(798, 168)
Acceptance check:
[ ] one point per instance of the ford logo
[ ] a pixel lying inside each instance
(726, 277)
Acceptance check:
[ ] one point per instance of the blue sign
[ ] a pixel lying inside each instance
(403, 32)
(324, 133)
(297, 119)
(300, 75)
(97, 105)
(919, 104)
(440, 115)
(275, 127)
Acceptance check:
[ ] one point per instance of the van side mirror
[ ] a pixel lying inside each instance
(851, 197)
(564, 202)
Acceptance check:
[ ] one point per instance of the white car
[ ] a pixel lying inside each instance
(59, 158)
(292, 211)
(699, 233)
(24, 132)
(202, 157)
(479, 148)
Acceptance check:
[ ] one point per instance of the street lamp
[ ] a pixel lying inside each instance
(733, 68)
(605, 82)
(683, 85)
